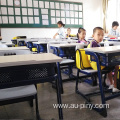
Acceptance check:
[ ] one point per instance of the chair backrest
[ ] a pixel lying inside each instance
(82, 61)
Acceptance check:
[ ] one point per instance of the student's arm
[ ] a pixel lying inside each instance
(111, 36)
(55, 35)
(0, 38)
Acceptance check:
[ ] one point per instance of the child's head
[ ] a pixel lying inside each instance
(68, 31)
(115, 25)
(98, 34)
(60, 24)
(81, 33)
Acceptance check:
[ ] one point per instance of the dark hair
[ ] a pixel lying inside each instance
(115, 23)
(60, 22)
(97, 28)
(69, 28)
(79, 31)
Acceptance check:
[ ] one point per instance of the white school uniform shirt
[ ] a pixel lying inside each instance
(3, 45)
(114, 33)
(61, 32)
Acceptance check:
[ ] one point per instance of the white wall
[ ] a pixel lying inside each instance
(92, 17)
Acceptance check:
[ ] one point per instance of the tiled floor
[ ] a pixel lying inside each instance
(47, 97)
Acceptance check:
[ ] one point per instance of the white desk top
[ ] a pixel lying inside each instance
(17, 60)
(9, 44)
(104, 50)
(14, 48)
(40, 42)
(64, 45)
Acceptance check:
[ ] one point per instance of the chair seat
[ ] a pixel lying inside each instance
(17, 92)
(90, 71)
(67, 61)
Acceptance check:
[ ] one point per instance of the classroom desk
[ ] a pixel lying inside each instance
(10, 44)
(14, 48)
(29, 43)
(115, 40)
(36, 68)
(19, 42)
(65, 45)
(41, 46)
(110, 56)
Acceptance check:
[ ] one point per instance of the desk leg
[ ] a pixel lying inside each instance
(104, 111)
(59, 77)
(59, 90)
(38, 49)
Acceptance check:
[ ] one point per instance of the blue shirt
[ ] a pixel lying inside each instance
(114, 33)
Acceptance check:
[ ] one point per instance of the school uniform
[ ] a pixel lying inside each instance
(93, 64)
(61, 33)
(114, 33)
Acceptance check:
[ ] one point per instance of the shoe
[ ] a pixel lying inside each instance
(111, 87)
(115, 90)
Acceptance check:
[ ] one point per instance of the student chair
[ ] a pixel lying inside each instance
(84, 67)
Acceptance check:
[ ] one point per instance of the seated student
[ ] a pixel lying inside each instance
(68, 33)
(98, 35)
(81, 36)
(61, 31)
(113, 32)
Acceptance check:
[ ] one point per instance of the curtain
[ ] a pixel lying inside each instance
(105, 8)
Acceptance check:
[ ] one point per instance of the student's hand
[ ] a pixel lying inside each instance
(54, 37)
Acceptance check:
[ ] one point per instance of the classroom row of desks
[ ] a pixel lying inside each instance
(48, 58)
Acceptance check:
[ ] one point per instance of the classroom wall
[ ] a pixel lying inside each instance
(92, 10)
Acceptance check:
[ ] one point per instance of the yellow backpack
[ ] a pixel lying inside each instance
(92, 63)
(82, 61)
